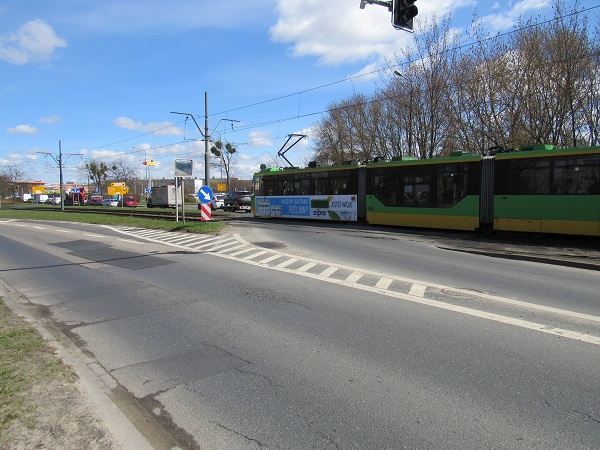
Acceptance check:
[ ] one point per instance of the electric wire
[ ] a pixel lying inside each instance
(314, 88)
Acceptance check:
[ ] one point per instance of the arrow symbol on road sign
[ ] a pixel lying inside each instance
(205, 194)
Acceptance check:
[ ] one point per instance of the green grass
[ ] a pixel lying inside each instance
(106, 219)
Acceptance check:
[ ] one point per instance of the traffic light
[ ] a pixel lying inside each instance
(403, 12)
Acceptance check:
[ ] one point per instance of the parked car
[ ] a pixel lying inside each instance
(56, 201)
(217, 201)
(110, 202)
(238, 201)
(129, 200)
(96, 202)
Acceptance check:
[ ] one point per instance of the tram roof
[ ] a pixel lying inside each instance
(525, 152)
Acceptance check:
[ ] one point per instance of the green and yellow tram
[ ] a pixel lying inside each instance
(548, 191)
(537, 189)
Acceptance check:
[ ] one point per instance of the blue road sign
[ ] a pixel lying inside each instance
(205, 195)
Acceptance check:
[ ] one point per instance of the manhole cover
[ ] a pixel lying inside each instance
(461, 292)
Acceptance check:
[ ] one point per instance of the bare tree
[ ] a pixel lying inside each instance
(537, 84)
(9, 176)
(224, 157)
(121, 171)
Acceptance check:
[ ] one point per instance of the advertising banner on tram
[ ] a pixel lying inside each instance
(322, 207)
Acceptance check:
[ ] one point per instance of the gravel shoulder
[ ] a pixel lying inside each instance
(42, 401)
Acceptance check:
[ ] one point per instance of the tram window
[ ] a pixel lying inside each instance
(451, 189)
(270, 186)
(322, 186)
(301, 187)
(384, 189)
(451, 184)
(257, 186)
(343, 182)
(417, 191)
(337, 186)
(574, 176)
(530, 177)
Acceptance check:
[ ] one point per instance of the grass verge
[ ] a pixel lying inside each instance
(106, 219)
(41, 405)
(25, 361)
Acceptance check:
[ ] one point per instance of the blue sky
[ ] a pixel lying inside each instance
(103, 76)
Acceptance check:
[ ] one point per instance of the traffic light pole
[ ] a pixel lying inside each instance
(403, 12)
(375, 2)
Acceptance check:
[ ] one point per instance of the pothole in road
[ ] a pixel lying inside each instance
(462, 292)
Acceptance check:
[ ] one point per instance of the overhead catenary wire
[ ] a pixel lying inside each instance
(315, 88)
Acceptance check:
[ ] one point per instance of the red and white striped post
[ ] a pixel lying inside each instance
(205, 212)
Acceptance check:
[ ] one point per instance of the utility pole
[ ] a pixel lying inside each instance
(206, 154)
(206, 135)
(59, 161)
(60, 166)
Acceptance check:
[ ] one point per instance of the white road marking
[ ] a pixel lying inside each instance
(270, 258)
(256, 254)
(418, 290)
(415, 295)
(328, 272)
(242, 251)
(384, 283)
(287, 262)
(354, 277)
(307, 266)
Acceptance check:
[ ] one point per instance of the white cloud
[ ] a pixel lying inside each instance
(260, 139)
(158, 128)
(23, 129)
(51, 119)
(339, 32)
(34, 41)
(509, 17)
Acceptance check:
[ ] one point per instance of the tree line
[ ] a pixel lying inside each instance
(538, 84)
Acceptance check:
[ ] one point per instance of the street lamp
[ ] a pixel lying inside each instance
(147, 163)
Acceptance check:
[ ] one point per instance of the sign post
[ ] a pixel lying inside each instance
(184, 168)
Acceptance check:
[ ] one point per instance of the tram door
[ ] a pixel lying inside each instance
(362, 193)
(486, 198)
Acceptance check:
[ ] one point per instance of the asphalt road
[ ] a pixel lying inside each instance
(289, 337)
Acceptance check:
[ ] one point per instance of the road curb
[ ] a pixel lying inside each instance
(94, 382)
(557, 261)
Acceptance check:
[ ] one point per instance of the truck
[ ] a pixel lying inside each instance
(40, 198)
(164, 197)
